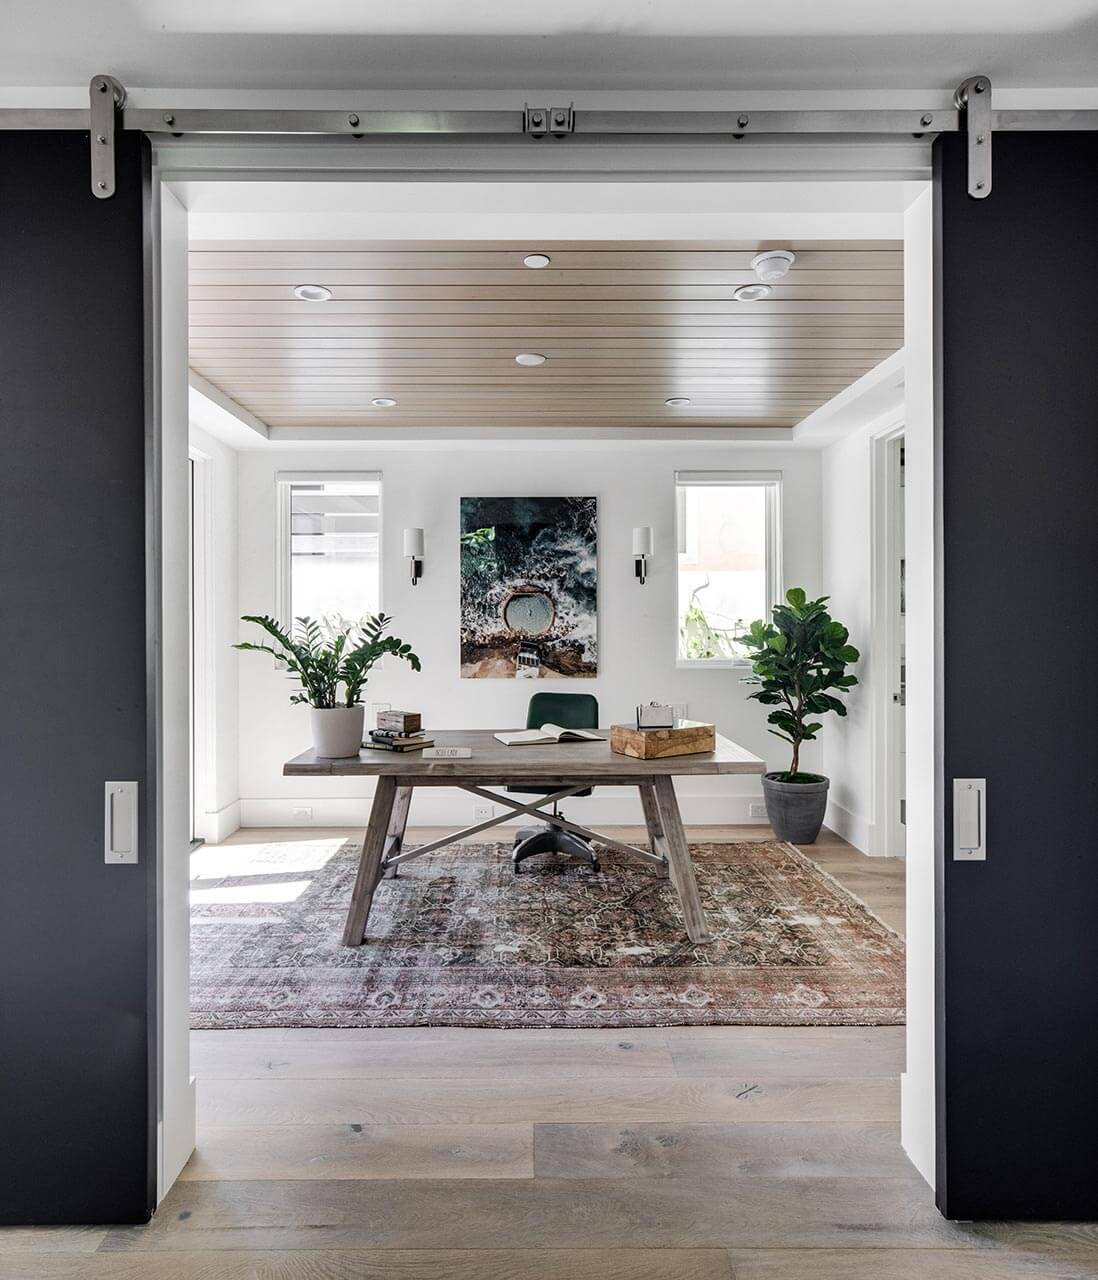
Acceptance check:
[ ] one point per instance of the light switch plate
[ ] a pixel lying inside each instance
(969, 819)
(120, 819)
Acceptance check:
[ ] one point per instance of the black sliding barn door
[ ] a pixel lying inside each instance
(1018, 944)
(76, 1141)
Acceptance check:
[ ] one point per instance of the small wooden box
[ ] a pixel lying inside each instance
(400, 721)
(687, 738)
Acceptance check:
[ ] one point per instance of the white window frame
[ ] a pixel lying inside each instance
(283, 482)
(771, 481)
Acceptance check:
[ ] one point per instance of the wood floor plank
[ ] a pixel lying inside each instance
(1061, 1239)
(743, 1150)
(894, 917)
(789, 1052)
(379, 1264)
(657, 1213)
(360, 1152)
(253, 1103)
(426, 1041)
(425, 1057)
(77, 1240)
(900, 1264)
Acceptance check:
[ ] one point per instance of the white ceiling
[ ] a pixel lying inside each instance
(486, 44)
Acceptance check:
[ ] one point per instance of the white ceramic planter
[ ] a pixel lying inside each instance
(337, 731)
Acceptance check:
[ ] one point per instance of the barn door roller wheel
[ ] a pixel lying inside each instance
(973, 101)
(108, 97)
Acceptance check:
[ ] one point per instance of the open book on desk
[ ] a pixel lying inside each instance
(548, 733)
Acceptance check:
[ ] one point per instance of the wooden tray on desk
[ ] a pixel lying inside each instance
(687, 738)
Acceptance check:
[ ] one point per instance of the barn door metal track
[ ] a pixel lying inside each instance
(546, 126)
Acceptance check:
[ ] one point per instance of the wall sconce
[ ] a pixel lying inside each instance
(413, 552)
(642, 549)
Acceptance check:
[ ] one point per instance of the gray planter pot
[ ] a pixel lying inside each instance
(337, 731)
(795, 809)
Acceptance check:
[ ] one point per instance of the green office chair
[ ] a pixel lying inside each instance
(570, 711)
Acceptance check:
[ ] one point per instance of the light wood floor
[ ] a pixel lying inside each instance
(710, 1153)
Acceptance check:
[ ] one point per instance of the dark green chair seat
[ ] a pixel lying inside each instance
(570, 711)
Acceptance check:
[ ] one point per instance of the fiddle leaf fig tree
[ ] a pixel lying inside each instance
(799, 662)
(325, 655)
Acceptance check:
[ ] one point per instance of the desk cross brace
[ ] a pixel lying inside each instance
(534, 808)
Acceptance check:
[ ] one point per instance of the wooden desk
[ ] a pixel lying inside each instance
(567, 768)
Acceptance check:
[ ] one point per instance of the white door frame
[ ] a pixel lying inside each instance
(884, 640)
(274, 163)
(167, 481)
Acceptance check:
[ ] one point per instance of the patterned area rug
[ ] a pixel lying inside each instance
(459, 940)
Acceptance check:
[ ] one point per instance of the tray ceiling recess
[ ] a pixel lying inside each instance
(624, 326)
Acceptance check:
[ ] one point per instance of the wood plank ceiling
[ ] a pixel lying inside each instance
(625, 325)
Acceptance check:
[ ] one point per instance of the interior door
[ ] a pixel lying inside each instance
(77, 984)
(1017, 1043)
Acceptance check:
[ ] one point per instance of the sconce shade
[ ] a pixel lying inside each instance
(413, 543)
(642, 541)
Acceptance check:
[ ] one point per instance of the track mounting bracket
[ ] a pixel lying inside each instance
(557, 121)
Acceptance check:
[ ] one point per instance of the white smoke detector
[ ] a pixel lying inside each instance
(773, 264)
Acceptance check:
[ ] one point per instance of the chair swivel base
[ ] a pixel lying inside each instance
(546, 839)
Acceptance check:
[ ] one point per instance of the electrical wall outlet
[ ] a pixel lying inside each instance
(302, 812)
(757, 810)
(482, 812)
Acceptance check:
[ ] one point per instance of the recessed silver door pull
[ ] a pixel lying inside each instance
(969, 819)
(120, 822)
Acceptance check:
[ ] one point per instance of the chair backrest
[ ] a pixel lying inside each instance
(569, 710)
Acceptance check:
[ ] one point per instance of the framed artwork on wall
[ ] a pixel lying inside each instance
(529, 588)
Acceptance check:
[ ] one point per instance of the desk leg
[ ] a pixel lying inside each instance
(397, 824)
(678, 854)
(656, 841)
(369, 866)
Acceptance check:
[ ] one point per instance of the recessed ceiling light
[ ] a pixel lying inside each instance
(383, 402)
(312, 292)
(752, 292)
(773, 264)
(677, 402)
(529, 358)
(536, 260)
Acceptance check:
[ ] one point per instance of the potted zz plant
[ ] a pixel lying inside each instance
(797, 661)
(324, 656)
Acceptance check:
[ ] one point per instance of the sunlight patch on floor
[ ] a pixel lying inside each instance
(287, 891)
(218, 862)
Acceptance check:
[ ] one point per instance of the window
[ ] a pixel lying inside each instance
(330, 553)
(729, 559)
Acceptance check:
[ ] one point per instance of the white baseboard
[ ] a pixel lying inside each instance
(854, 829)
(219, 824)
(441, 807)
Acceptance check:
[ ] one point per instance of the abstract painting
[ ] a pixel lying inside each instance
(529, 587)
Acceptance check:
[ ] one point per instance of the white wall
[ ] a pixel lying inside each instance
(845, 546)
(850, 744)
(217, 780)
(637, 625)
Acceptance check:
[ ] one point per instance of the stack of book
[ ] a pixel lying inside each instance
(398, 731)
(391, 740)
